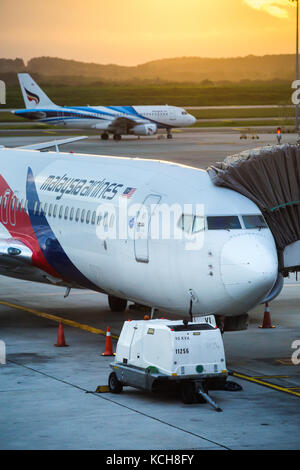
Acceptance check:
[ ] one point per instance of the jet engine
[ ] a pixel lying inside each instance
(144, 129)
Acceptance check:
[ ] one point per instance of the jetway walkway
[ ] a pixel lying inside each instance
(270, 177)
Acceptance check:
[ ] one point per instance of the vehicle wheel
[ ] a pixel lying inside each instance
(115, 386)
(188, 393)
(169, 136)
(116, 304)
(117, 137)
(104, 136)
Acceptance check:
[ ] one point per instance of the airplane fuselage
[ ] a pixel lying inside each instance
(139, 120)
(94, 222)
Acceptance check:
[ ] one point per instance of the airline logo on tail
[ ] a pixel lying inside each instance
(32, 97)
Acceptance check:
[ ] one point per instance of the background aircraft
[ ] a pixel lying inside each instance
(117, 120)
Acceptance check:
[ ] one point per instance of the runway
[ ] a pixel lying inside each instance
(44, 402)
(195, 147)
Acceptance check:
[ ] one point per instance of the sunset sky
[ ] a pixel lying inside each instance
(135, 31)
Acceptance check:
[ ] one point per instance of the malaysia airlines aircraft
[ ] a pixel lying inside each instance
(83, 221)
(117, 120)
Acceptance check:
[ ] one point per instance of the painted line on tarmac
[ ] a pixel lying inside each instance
(58, 319)
(266, 384)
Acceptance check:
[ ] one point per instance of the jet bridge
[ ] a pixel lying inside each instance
(270, 177)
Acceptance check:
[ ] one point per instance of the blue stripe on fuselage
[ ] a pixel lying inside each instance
(50, 246)
(66, 114)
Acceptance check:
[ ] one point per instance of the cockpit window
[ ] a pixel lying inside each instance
(185, 222)
(230, 222)
(254, 221)
(191, 223)
(198, 224)
(184, 113)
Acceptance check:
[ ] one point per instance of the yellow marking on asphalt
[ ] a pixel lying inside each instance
(53, 294)
(102, 389)
(270, 376)
(57, 319)
(266, 384)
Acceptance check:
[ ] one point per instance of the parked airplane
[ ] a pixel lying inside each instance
(118, 120)
(61, 215)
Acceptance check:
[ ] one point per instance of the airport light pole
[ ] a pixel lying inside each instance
(297, 58)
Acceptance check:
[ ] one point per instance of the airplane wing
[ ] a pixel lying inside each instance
(124, 123)
(53, 143)
(16, 260)
(14, 253)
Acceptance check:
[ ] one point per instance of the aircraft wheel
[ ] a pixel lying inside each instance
(117, 137)
(115, 386)
(116, 304)
(104, 136)
(169, 136)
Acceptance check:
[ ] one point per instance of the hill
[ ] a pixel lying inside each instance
(176, 70)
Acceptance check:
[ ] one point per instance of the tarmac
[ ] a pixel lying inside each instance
(44, 402)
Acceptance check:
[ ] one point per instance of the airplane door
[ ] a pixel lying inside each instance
(172, 114)
(142, 228)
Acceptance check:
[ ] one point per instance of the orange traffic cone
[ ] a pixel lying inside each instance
(61, 343)
(108, 344)
(267, 318)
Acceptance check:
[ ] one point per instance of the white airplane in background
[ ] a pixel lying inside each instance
(117, 120)
(52, 206)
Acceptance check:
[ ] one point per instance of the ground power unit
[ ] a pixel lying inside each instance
(157, 354)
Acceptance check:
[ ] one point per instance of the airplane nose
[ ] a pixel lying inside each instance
(249, 268)
(192, 119)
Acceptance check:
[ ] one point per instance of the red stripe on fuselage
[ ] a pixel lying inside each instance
(19, 226)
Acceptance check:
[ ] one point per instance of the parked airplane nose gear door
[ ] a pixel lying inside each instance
(142, 228)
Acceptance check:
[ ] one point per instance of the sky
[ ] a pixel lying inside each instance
(132, 32)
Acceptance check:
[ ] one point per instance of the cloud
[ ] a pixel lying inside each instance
(276, 8)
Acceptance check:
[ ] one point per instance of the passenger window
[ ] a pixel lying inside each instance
(45, 208)
(72, 213)
(50, 210)
(61, 209)
(35, 207)
(66, 212)
(88, 217)
(77, 215)
(55, 210)
(40, 209)
(82, 215)
(231, 222)
(99, 219)
(26, 206)
(254, 221)
(93, 218)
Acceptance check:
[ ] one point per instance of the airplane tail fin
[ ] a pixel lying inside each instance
(33, 95)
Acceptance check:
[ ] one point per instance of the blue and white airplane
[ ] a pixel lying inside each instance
(117, 120)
